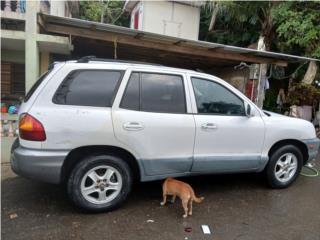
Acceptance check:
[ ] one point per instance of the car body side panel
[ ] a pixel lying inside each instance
(27, 106)
(68, 127)
(313, 146)
(235, 143)
(166, 145)
(165, 142)
(279, 127)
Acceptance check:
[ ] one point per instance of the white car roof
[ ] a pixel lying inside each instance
(124, 64)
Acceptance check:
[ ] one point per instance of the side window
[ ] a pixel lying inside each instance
(131, 96)
(155, 92)
(213, 98)
(95, 88)
(162, 93)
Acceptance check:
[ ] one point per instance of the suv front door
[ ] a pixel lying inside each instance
(151, 119)
(226, 139)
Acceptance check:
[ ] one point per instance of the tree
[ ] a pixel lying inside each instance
(243, 15)
(298, 27)
(254, 13)
(222, 28)
(292, 27)
(104, 11)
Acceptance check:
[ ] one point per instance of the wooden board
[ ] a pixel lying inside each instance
(6, 69)
(155, 44)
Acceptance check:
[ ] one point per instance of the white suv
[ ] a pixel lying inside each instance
(97, 125)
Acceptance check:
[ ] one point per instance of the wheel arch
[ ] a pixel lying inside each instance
(302, 147)
(77, 154)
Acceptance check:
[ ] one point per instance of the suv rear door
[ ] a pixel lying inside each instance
(76, 111)
(151, 116)
(226, 139)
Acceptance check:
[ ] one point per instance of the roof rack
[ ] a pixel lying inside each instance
(51, 65)
(87, 59)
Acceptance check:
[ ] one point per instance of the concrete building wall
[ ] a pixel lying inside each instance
(12, 56)
(189, 17)
(168, 18)
(32, 51)
(58, 8)
(28, 45)
(237, 78)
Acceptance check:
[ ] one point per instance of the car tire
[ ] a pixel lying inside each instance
(284, 166)
(99, 183)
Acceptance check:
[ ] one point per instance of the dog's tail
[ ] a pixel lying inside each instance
(193, 196)
(197, 199)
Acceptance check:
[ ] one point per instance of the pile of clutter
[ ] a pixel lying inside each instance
(9, 119)
(305, 112)
(11, 109)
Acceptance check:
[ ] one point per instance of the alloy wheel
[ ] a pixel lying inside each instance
(286, 167)
(101, 184)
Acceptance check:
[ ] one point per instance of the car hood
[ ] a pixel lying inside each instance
(296, 127)
(273, 114)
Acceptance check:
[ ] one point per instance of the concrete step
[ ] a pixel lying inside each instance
(6, 143)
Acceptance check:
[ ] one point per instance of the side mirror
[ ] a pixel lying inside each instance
(248, 109)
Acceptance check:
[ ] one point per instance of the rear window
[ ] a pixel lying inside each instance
(95, 88)
(35, 86)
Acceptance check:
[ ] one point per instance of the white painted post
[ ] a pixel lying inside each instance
(5, 122)
(10, 131)
(7, 7)
(31, 46)
(262, 75)
(2, 130)
(18, 7)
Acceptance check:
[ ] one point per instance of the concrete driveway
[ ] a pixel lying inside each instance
(235, 207)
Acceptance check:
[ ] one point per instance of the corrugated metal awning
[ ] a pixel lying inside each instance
(158, 42)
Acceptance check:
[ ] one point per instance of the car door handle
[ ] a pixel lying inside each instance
(209, 126)
(133, 126)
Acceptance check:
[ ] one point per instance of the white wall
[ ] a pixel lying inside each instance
(57, 8)
(169, 18)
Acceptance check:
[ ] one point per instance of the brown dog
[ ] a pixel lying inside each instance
(183, 190)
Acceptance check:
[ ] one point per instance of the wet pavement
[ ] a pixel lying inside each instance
(235, 207)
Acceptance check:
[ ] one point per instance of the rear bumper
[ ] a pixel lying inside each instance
(44, 166)
(313, 146)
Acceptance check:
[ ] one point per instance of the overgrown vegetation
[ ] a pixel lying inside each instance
(237, 31)
(291, 27)
(104, 11)
(298, 27)
(303, 94)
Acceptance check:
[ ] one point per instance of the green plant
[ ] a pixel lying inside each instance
(303, 94)
(270, 101)
(298, 26)
(104, 11)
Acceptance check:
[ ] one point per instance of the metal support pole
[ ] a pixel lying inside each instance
(258, 87)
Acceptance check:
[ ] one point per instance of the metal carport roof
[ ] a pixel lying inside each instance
(147, 42)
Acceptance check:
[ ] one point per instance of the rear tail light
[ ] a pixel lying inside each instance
(31, 129)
